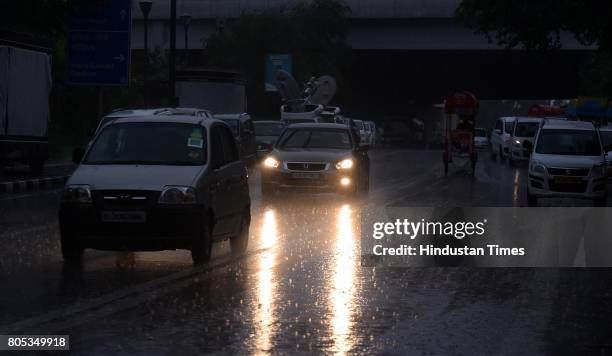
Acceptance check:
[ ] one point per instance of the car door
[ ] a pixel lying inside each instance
(219, 187)
(236, 175)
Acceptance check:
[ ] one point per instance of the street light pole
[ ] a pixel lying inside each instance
(186, 20)
(145, 8)
(172, 57)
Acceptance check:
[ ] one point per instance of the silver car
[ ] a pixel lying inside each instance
(322, 157)
(131, 192)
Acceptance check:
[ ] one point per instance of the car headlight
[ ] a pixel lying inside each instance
(345, 164)
(77, 193)
(517, 143)
(177, 195)
(270, 162)
(537, 167)
(598, 171)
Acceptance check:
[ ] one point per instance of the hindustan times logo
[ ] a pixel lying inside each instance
(414, 229)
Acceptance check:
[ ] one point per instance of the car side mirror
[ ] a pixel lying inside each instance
(77, 155)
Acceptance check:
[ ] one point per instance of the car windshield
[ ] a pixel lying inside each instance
(480, 133)
(569, 142)
(508, 127)
(526, 129)
(268, 128)
(154, 143)
(315, 138)
(233, 124)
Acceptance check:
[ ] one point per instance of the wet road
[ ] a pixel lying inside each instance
(300, 287)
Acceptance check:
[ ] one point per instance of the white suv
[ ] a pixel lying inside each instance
(524, 132)
(500, 137)
(568, 162)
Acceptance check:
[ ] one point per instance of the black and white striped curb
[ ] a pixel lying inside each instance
(32, 184)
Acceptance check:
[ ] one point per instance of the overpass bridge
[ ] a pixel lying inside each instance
(403, 50)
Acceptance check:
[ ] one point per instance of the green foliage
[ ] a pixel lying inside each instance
(313, 32)
(539, 24)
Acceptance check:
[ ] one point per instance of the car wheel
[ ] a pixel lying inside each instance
(600, 202)
(72, 252)
(532, 200)
(201, 246)
(239, 242)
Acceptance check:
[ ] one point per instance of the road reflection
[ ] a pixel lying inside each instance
(266, 287)
(342, 295)
(517, 183)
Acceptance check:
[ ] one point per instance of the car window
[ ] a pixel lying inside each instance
(526, 129)
(217, 156)
(480, 133)
(569, 142)
(268, 129)
(315, 138)
(230, 151)
(141, 143)
(508, 127)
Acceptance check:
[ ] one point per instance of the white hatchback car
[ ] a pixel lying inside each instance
(524, 132)
(568, 162)
(500, 137)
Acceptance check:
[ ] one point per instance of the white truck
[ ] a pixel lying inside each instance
(25, 86)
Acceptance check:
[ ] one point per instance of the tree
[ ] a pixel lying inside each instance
(539, 25)
(313, 32)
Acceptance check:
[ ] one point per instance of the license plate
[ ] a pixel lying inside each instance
(124, 216)
(568, 180)
(305, 175)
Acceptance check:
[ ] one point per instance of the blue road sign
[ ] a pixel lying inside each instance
(275, 62)
(99, 42)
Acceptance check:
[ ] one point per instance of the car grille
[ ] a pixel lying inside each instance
(567, 188)
(124, 199)
(582, 172)
(306, 166)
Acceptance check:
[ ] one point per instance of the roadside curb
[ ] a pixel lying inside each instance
(32, 185)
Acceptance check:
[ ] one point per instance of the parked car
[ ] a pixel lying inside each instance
(368, 133)
(244, 132)
(524, 131)
(568, 162)
(266, 133)
(500, 138)
(360, 126)
(323, 157)
(481, 141)
(130, 192)
(374, 135)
